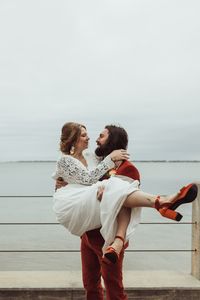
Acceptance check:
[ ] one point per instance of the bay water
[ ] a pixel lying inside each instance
(34, 179)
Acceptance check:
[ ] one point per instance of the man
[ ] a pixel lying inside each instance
(111, 138)
(93, 267)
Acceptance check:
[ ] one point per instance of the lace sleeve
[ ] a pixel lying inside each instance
(72, 171)
(58, 172)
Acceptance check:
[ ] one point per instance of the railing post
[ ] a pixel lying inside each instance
(195, 270)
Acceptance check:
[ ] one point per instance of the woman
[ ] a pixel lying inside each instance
(77, 206)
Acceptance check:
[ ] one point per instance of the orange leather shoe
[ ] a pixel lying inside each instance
(186, 195)
(111, 255)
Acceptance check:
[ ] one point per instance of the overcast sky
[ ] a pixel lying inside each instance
(135, 63)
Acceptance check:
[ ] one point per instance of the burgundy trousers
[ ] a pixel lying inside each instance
(93, 269)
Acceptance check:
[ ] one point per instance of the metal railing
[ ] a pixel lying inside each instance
(195, 249)
(75, 250)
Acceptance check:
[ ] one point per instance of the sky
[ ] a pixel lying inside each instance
(133, 63)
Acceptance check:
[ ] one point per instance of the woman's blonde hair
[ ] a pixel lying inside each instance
(70, 134)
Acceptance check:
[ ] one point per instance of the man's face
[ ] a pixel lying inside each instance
(101, 143)
(103, 137)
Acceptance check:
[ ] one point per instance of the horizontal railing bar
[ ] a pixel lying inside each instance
(56, 223)
(29, 223)
(167, 223)
(24, 196)
(76, 251)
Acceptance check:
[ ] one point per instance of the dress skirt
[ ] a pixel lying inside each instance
(78, 209)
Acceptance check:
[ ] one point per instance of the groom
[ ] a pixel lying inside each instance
(93, 268)
(111, 138)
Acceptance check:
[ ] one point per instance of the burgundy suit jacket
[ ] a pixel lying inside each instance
(129, 170)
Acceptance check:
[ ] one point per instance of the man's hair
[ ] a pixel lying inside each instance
(117, 139)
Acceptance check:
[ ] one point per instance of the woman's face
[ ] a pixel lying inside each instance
(83, 140)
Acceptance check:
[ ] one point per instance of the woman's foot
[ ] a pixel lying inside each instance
(167, 205)
(166, 200)
(112, 253)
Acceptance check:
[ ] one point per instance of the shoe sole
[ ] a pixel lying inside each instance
(111, 257)
(190, 196)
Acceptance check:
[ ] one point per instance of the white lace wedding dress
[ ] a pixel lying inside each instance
(76, 205)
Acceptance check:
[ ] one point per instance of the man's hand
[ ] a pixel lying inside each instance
(100, 192)
(60, 183)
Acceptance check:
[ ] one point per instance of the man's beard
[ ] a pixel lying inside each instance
(100, 151)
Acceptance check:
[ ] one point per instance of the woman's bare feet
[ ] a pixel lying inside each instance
(112, 253)
(117, 245)
(167, 200)
(167, 205)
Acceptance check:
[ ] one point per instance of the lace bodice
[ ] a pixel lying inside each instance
(73, 171)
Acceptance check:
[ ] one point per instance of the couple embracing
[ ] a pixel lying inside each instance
(98, 198)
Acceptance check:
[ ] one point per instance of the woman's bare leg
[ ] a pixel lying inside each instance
(123, 220)
(162, 203)
(135, 199)
(141, 199)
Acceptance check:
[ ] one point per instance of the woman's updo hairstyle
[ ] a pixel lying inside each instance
(70, 134)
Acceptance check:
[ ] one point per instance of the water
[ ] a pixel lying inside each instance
(34, 178)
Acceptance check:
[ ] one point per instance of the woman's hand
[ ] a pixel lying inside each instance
(100, 192)
(119, 155)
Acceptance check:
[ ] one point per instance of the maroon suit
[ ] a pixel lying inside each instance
(91, 255)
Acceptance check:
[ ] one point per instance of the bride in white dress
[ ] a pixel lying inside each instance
(77, 206)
